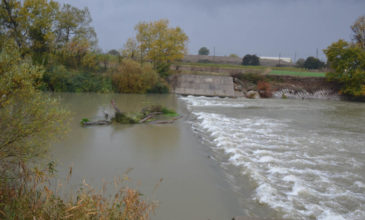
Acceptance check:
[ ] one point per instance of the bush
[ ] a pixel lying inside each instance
(59, 79)
(251, 60)
(160, 87)
(132, 77)
(313, 63)
(204, 51)
(33, 197)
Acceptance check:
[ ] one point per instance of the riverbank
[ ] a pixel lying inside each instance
(245, 84)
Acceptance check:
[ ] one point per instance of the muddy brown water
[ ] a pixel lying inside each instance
(225, 157)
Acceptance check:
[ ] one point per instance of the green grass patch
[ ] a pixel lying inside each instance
(295, 73)
(236, 66)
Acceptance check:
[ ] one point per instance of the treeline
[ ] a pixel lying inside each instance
(61, 39)
(45, 45)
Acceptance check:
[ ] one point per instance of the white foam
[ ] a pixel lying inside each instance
(293, 174)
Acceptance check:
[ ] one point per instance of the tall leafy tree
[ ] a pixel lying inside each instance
(29, 119)
(74, 23)
(347, 64)
(43, 30)
(30, 24)
(160, 44)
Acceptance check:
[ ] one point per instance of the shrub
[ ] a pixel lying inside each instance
(33, 197)
(59, 79)
(264, 89)
(132, 77)
(160, 87)
(251, 60)
(313, 63)
(204, 51)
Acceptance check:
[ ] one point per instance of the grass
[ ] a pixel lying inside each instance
(235, 66)
(286, 71)
(296, 73)
(30, 195)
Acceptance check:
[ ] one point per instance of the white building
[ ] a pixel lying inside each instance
(285, 59)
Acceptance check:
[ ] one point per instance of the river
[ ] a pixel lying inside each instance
(292, 159)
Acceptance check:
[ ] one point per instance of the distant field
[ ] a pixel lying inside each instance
(233, 66)
(295, 73)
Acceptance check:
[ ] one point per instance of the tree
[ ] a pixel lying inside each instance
(313, 63)
(29, 119)
(204, 51)
(347, 64)
(300, 63)
(159, 44)
(251, 60)
(114, 52)
(131, 51)
(30, 24)
(359, 32)
(40, 28)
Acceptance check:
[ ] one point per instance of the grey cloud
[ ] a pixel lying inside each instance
(264, 27)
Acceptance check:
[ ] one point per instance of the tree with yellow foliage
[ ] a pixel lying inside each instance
(159, 44)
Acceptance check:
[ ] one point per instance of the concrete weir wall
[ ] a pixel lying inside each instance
(205, 85)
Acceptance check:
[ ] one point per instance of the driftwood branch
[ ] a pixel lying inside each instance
(115, 107)
(101, 122)
(149, 116)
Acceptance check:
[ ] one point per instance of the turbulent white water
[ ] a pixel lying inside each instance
(307, 158)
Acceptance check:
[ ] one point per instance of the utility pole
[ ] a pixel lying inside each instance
(279, 58)
(317, 53)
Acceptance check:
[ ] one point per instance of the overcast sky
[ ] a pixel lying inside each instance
(262, 27)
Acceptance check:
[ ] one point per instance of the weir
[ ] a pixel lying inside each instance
(202, 85)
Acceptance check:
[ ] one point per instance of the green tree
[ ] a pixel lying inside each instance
(158, 43)
(41, 29)
(347, 64)
(71, 23)
(313, 63)
(251, 60)
(204, 51)
(30, 24)
(359, 32)
(29, 119)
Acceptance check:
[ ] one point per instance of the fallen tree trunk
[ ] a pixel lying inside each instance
(149, 116)
(101, 122)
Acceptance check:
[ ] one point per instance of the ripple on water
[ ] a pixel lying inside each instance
(303, 177)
